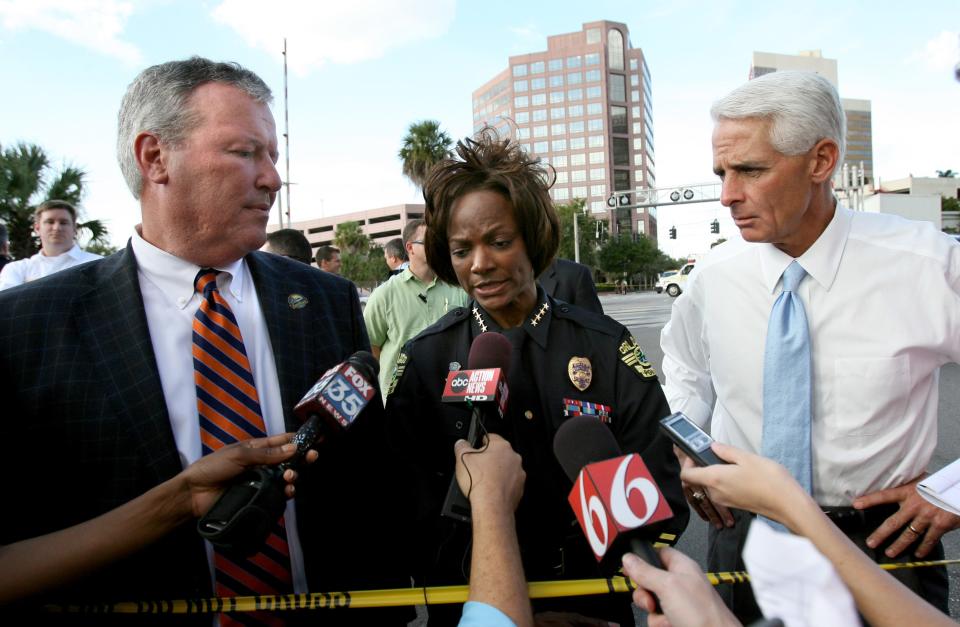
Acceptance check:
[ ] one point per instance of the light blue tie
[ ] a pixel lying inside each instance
(786, 382)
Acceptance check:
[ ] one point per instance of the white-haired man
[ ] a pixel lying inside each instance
(807, 341)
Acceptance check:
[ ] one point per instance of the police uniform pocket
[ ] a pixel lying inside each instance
(869, 396)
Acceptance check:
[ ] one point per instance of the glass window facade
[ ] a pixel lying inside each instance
(521, 101)
(596, 141)
(540, 147)
(538, 100)
(579, 192)
(538, 83)
(556, 80)
(539, 115)
(540, 131)
(574, 62)
(592, 76)
(593, 35)
(621, 180)
(558, 129)
(574, 78)
(560, 161)
(593, 92)
(578, 159)
(594, 108)
(578, 176)
(577, 143)
(596, 157)
(575, 94)
(537, 67)
(520, 70)
(618, 87)
(519, 85)
(558, 145)
(598, 174)
(575, 111)
(618, 119)
(621, 151)
(555, 65)
(561, 193)
(556, 97)
(615, 49)
(522, 117)
(556, 113)
(576, 127)
(592, 59)
(595, 124)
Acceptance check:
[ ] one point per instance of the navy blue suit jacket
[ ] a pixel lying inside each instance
(86, 425)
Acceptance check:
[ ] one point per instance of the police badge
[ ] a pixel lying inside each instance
(580, 372)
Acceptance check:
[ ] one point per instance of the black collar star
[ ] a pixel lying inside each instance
(537, 324)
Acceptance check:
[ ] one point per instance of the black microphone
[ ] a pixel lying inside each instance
(615, 497)
(422, 297)
(242, 518)
(483, 386)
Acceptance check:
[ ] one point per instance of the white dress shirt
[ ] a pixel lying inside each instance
(883, 304)
(39, 265)
(171, 302)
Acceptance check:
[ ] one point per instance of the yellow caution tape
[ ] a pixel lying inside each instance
(437, 595)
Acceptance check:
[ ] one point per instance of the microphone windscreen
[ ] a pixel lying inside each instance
(490, 350)
(583, 440)
(366, 363)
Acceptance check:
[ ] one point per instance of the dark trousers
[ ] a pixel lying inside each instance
(725, 549)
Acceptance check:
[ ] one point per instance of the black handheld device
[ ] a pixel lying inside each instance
(690, 438)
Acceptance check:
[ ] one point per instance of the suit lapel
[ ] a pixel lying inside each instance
(290, 334)
(111, 321)
(549, 279)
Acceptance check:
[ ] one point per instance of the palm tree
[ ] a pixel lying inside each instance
(26, 180)
(946, 174)
(424, 145)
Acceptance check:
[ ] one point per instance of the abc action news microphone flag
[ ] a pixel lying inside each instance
(612, 494)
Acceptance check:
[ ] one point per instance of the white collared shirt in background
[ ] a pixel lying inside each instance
(171, 302)
(39, 265)
(883, 304)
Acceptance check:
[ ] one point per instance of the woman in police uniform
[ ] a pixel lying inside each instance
(492, 228)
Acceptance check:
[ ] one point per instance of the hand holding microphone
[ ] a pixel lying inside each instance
(483, 387)
(242, 518)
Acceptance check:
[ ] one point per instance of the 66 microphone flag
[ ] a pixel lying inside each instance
(615, 496)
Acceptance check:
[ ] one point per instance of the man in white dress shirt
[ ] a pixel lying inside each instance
(881, 299)
(55, 221)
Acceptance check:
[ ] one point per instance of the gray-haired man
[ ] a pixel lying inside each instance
(832, 370)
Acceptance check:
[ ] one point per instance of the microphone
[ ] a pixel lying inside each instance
(422, 297)
(242, 518)
(483, 387)
(614, 496)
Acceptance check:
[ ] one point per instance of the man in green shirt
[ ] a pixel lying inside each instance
(407, 304)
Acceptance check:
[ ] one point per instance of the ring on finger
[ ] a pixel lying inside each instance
(698, 495)
(914, 529)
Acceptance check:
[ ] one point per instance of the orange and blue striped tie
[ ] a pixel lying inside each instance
(229, 410)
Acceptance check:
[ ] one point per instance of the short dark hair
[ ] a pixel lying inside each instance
(290, 243)
(325, 253)
(55, 204)
(489, 163)
(394, 248)
(410, 229)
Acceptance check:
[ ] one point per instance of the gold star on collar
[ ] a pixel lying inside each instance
(543, 309)
(479, 319)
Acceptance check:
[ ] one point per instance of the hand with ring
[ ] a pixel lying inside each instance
(696, 495)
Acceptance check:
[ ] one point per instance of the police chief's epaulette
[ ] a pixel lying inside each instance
(588, 319)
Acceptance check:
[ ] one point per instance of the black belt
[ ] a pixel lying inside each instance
(850, 520)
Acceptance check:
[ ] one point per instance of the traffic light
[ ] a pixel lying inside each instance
(673, 232)
(715, 226)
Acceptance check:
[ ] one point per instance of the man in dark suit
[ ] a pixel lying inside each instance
(571, 282)
(98, 362)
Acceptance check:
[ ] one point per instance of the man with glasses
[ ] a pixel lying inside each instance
(407, 304)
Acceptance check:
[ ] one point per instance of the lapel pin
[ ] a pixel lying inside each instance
(297, 301)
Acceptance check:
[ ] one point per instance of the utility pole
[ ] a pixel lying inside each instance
(286, 131)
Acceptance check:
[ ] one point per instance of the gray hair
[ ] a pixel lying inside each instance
(158, 101)
(803, 108)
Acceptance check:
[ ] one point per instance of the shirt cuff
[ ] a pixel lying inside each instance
(479, 614)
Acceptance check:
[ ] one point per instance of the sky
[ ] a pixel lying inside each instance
(361, 72)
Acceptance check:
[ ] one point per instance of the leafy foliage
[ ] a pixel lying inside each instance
(361, 260)
(947, 174)
(585, 226)
(423, 146)
(26, 180)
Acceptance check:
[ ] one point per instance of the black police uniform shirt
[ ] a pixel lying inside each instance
(565, 361)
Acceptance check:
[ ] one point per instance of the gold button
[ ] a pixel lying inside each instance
(528, 414)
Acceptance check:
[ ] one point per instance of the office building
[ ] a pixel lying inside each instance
(381, 225)
(584, 106)
(859, 120)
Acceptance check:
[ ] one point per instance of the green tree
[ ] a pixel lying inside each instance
(585, 224)
(26, 180)
(361, 260)
(622, 256)
(423, 146)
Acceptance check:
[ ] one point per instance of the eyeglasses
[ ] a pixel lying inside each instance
(417, 241)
